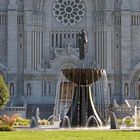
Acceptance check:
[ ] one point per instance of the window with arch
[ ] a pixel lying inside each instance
(12, 92)
(126, 89)
(45, 88)
(29, 90)
(110, 89)
(49, 87)
(139, 92)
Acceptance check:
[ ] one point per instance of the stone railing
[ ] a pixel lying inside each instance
(124, 109)
(134, 102)
(14, 110)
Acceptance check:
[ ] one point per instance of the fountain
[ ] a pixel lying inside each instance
(135, 116)
(66, 122)
(75, 101)
(37, 114)
(91, 120)
(53, 119)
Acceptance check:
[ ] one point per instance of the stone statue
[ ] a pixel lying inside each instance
(33, 122)
(113, 119)
(35, 117)
(82, 40)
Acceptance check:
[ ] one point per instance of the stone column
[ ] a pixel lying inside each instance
(29, 33)
(47, 32)
(12, 36)
(28, 7)
(109, 48)
(125, 37)
(90, 56)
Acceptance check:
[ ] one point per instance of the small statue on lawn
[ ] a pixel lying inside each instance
(35, 117)
(113, 119)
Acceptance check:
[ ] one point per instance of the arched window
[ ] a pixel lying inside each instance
(3, 20)
(49, 88)
(137, 20)
(52, 40)
(29, 89)
(139, 92)
(110, 89)
(132, 19)
(0, 19)
(126, 90)
(45, 88)
(12, 89)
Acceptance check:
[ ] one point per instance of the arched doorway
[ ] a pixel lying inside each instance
(136, 84)
(126, 90)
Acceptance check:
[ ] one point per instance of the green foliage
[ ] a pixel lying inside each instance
(128, 122)
(43, 122)
(5, 128)
(119, 121)
(4, 93)
(22, 122)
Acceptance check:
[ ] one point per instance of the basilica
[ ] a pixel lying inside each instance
(38, 38)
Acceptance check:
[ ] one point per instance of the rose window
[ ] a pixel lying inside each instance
(69, 12)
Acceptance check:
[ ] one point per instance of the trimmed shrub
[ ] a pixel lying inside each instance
(8, 120)
(4, 93)
(119, 121)
(43, 122)
(15, 119)
(6, 128)
(128, 122)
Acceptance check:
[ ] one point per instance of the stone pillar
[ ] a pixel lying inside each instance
(90, 56)
(125, 37)
(29, 33)
(108, 30)
(47, 38)
(28, 30)
(12, 36)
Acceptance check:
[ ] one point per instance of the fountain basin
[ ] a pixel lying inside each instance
(83, 76)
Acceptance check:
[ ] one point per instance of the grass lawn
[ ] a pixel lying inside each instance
(70, 135)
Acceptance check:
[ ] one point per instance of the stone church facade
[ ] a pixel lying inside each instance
(38, 38)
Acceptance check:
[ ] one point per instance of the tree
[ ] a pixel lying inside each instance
(4, 93)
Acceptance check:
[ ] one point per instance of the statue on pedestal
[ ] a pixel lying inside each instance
(82, 41)
(113, 119)
(35, 117)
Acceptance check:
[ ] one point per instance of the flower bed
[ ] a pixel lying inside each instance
(8, 122)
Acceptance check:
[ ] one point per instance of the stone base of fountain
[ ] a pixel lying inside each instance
(82, 108)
